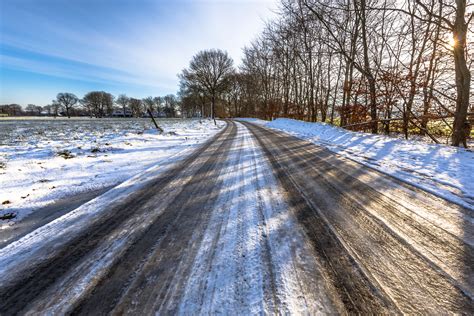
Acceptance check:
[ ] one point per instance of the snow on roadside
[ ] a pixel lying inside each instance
(443, 170)
(42, 243)
(40, 167)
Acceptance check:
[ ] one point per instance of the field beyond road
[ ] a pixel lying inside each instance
(47, 161)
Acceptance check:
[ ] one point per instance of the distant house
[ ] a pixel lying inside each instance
(155, 114)
(120, 113)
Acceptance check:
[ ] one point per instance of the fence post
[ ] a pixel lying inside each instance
(154, 122)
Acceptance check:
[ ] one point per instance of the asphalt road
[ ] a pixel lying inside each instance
(257, 221)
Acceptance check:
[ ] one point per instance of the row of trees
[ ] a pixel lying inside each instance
(99, 104)
(382, 66)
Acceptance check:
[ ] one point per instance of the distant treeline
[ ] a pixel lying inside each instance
(98, 104)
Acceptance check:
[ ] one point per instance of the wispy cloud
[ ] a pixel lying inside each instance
(136, 43)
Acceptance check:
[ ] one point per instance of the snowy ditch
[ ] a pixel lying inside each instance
(440, 169)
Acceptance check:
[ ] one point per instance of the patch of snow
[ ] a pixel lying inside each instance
(44, 161)
(442, 170)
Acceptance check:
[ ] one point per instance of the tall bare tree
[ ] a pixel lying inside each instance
(209, 71)
(463, 74)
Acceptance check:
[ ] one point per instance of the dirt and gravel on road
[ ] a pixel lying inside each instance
(256, 221)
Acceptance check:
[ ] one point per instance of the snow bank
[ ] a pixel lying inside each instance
(43, 162)
(443, 170)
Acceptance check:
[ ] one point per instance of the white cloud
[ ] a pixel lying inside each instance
(151, 47)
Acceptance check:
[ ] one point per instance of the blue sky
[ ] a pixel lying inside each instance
(135, 47)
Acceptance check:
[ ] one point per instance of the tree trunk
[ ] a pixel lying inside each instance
(335, 93)
(367, 71)
(463, 76)
(213, 103)
(346, 92)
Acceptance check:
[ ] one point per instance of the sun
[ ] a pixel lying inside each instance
(452, 42)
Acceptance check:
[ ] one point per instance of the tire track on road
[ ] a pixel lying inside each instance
(388, 261)
(39, 276)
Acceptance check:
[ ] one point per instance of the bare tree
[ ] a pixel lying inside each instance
(67, 100)
(48, 109)
(193, 101)
(149, 104)
(123, 102)
(56, 108)
(209, 70)
(463, 74)
(34, 109)
(158, 104)
(450, 16)
(99, 102)
(136, 107)
(170, 105)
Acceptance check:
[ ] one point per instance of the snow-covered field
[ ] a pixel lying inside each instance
(45, 160)
(443, 170)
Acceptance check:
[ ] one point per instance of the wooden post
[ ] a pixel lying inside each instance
(154, 122)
